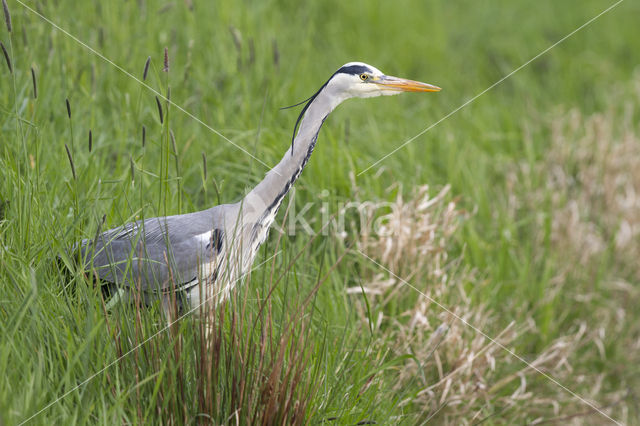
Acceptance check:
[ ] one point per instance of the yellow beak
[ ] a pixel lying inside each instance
(402, 84)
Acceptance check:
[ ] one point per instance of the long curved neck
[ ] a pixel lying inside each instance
(265, 199)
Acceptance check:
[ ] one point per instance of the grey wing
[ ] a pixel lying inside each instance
(157, 253)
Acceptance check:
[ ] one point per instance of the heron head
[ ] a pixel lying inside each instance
(357, 79)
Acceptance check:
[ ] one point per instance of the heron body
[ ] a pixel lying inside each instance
(203, 254)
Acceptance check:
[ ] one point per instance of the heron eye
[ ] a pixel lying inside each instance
(364, 77)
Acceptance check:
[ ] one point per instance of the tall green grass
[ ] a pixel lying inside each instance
(233, 65)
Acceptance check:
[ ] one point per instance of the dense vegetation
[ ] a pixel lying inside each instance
(370, 299)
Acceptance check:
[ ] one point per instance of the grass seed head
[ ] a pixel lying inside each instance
(7, 15)
(6, 57)
(35, 84)
(173, 142)
(73, 168)
(159, 110)
(146, 68)
(204, 165)
(165, 68)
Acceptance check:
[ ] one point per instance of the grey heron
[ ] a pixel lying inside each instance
(201, 255)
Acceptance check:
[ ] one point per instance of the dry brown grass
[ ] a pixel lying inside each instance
(463, 377)
(454, 366)
(591, 181)
(595, 180)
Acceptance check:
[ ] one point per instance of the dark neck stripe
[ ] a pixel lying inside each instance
(277, 202)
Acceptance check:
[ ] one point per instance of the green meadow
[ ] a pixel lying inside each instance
(485, 272)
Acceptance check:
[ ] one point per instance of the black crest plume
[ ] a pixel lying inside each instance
(308, 101)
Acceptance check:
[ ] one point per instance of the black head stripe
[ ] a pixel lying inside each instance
(354, 69)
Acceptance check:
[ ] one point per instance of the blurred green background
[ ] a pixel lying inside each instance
(542, 168)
